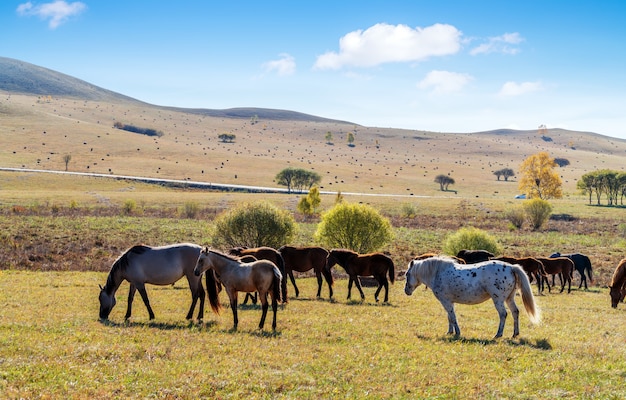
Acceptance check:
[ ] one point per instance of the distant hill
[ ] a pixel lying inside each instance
(25, 78)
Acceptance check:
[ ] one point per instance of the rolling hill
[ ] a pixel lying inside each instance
(46, 115)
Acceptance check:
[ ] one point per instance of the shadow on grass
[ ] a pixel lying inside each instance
(166, 326)
(539, 344)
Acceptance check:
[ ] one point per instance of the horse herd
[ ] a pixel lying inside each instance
(472, 277)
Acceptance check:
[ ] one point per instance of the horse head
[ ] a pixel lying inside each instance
(107, 302)
(412, 281)
(616, 295)
(203, 262)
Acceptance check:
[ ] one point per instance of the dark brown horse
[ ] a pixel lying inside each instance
(618, 284)
(377, 265)
(562, 266)
(302, 259)
(474, 256)
(265, 253)
(582, 264)
(533, 268)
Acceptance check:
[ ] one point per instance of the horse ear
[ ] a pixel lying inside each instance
(101, 288)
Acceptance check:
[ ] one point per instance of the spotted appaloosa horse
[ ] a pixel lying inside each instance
(472, 284)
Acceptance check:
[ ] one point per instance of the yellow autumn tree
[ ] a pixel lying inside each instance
(538, 177)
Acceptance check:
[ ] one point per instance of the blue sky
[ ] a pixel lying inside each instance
(449, 66)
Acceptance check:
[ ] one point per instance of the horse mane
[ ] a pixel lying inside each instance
(619, 276)
(430, 266)
(120, 265)
(226, 256)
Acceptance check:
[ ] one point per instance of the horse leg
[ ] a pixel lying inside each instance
(357, 283)
(318, 275)
(144, 296)
(232, 295)
(131, 296)
(510, 301)
(194, 300)
(293, 282)
(502, 313)
(329, 279)
(453, 326)
(264, 306)
(274, 309)
(349, 288)
(200, 292)
(562, 282)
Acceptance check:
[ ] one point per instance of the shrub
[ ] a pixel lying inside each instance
(190, 209)
(537, 212)
(253, 225)
(470, 238)
(357, 227)
(516, 217)
(129, 206)
(409, 210)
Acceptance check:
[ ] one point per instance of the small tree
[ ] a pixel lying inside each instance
(253, 225)
(444, 181)
(357, 227)
(350, 139)
(537, 212)
(227, 137)
(66, 160)
(506, 173)
(329, 137)
(539, 178)
(297, 178)
(309, 203)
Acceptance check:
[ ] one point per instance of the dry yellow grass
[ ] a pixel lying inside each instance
(37, 134)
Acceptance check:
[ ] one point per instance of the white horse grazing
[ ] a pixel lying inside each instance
(473, 284)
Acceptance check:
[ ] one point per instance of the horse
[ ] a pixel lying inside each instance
(474, 256)
(249, 296)
(302, 259)
(618, 284)
(452, 283)
(265, 253)
(562, 266)
(533, 268)
(377, 265)
(582, 264)
(260, 276)
(143, 264)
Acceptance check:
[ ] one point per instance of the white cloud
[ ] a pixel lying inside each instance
(500, 44)
(383, 43)
(57, 12)
(518, 89)
(285, 65)
(444, 81)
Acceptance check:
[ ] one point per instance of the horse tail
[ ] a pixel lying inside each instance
(589, 269)
(211, 287)
(522, 282)
(277, 286)
(392, 271)
(280, 263)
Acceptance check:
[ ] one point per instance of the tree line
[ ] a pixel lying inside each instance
(604, 183)
(136, 129)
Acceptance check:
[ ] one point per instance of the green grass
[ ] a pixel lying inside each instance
(52, 346)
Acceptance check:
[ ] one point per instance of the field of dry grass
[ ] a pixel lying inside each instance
(37, 133)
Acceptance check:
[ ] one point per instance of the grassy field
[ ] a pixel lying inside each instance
(52, 346)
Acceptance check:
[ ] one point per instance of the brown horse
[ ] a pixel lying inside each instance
(260, 276)
(558, 265)
(302, 259)
(474, 256)
(533, 268)
(618, 284)
(265, 253)
(377, 265)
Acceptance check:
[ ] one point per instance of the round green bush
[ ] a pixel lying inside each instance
(253, 225)
(470, 238)
(357, 227)
(537, 212)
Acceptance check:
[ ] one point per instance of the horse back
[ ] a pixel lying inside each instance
(302, 259)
